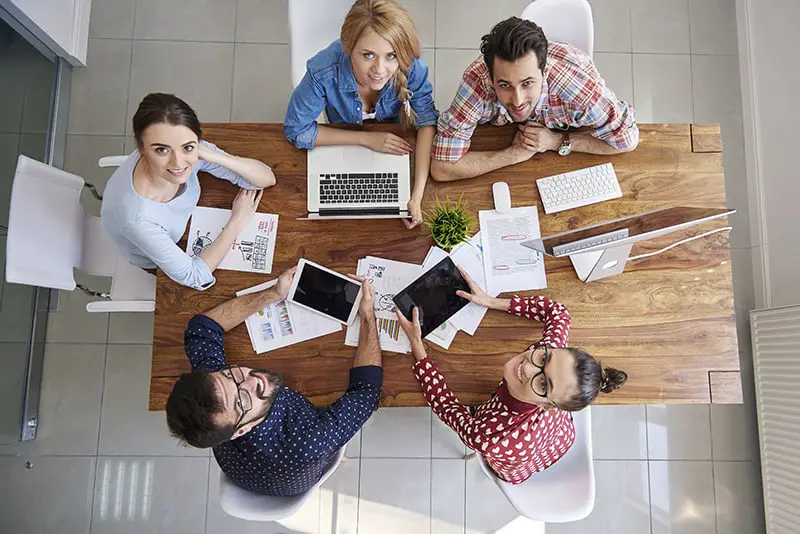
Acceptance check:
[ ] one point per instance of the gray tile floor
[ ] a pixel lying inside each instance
(103, 464)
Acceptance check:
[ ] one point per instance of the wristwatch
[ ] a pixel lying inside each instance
(566, 146)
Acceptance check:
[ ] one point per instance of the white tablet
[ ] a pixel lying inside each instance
(325, 291)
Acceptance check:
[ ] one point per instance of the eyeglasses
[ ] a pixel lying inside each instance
(539, 383)
(243, 398)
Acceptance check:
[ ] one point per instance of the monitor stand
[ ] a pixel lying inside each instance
(597, 264)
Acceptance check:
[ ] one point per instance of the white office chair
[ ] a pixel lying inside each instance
(313, 25)
(49, 235)
(251, 506)
(563, 492)
(564, 21)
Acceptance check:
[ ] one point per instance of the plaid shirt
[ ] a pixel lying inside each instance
(573, 96)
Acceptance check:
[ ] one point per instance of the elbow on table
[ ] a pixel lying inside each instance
(442, 171)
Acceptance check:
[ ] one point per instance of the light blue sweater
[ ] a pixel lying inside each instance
(146, 231)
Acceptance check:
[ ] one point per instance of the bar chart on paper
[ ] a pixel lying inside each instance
(390, 327)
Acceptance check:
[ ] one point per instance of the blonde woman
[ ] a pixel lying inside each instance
(373, 72)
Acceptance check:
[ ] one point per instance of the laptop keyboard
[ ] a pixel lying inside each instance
(358, 188)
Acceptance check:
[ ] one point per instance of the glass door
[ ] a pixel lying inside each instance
(27, 101)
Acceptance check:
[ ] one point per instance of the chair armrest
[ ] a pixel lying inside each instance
(111, 161)
(110, 306)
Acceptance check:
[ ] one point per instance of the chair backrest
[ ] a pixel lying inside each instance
(47, 229)
(564, 21)
(313, 25)
(563, 492)
(250, 506)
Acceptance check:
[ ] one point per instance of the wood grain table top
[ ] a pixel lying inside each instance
(668, 320)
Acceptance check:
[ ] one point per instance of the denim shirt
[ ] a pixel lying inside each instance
(329, 84)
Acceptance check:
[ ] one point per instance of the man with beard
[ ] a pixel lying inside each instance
(267, 438)
(551, 91)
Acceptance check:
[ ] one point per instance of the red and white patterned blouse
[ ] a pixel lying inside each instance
(515, 438)
(574, 95)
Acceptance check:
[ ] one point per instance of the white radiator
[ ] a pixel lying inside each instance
(776, 361)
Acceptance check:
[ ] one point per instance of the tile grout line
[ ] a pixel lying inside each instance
(208, 495)
(691, 58)
(130, 77)
(233, 61)
(99, 432)
(649, 482)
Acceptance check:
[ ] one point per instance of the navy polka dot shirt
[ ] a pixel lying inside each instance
(288, 452)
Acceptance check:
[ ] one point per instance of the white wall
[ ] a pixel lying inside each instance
(769, 42)
(61, 24)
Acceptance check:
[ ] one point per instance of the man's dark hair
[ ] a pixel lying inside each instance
(190, 410)
(511, 40)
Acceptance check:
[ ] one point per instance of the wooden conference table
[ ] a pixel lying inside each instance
(668, 320)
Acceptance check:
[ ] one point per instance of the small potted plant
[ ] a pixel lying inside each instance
(449, 224)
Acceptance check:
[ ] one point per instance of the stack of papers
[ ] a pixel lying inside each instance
(508, 265)
(387, 277)
(282, 323)
(253, 249)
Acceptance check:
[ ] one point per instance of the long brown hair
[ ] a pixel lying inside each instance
(391, 21)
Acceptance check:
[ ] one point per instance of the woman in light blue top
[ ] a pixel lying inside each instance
(373, 72)
(149, 199)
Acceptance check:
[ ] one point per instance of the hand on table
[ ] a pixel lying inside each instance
(367, 307)
(285, 282)
(415, 213)
(413, 331)
(476, 295)
(388, 143)
(245, 206)
(538, 138)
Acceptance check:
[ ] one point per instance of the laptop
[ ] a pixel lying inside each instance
(353, 182)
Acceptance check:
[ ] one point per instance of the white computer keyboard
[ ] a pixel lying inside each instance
(578, 188)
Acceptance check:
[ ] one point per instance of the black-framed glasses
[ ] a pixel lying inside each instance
(539, 384)
(243, 398)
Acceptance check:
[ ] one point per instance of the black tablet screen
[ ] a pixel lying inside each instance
(434, 293)
(326, 292)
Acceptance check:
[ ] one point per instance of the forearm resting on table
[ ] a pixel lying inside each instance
(337, 136)
(585, 142)
(233, 312)
(422, 160)
(472, 164)
(217, 250)
(369, 348)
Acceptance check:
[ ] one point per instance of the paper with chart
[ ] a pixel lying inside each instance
(252, 250)
(446, 332)
(282, 323)
(387, 277)
(508, 265)
(469, 256)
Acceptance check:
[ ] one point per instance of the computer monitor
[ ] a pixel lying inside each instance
(601, 250)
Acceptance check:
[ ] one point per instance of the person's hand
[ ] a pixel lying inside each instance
(519, 150)
(205, 153)
(388, 143)
(367, 307)
(413, 331)
(245, 205)
(476, 295)
(285, 282)
(415, 211)
(538, 138)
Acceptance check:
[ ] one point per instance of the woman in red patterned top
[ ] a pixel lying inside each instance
(526, 426)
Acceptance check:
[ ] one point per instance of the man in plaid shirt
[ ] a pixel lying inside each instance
(552, 91)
